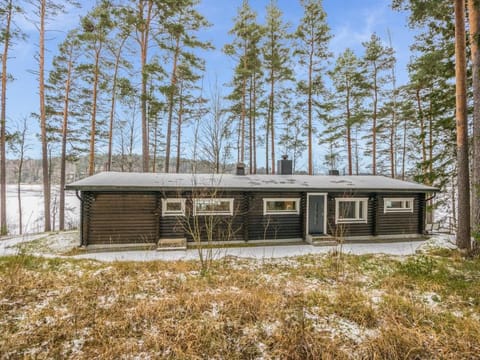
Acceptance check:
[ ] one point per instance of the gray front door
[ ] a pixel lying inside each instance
(316, 214)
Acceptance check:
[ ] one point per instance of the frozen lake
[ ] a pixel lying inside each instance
(32, 208)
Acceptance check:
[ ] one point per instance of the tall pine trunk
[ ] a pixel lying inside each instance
(179, 128)
(374, 125)
(404, 148)
(393, 129)
(254, 125)
(422, 133)
(349, 133)
(3, 137)
(93, 123)
(309, 106)
(171, 96)
(474, 21)
(21, 156)
(43, 119)
(243, 111)
(144, 43)
(61, 215)
(250, 127)
(463, 231)
(112, 103)
(272, 121)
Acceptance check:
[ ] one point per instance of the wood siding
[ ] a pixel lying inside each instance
(136, 217)
(342, 230)
(170, 227)
(378, 222)
(397, 223)
(272, 227)
(120, 218)
(215, 227)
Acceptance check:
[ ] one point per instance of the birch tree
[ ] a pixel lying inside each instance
(18, 145)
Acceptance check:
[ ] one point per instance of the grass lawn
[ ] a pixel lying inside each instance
(317, 306)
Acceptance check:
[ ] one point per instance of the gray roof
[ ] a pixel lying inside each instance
(118, 181)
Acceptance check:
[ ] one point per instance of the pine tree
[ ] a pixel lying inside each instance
(45, 10)
(147, 19)
(60, 89)
(312, 37)
(474, 22)
(293, 132)
(431, 94)
(116, 49)
(245, 51)
(351, 90)
(8, 31)
(96, 26)
(181, 31)
(276, 56)
(463, 231)
(377, 60)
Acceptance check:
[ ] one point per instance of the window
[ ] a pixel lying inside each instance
(281, 206)
(213, 207)
(397, 205)
(351, 210)
(173, 207)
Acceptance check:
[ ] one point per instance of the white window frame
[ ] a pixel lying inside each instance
(165, 212)
(358, 203)
(403, 209)
(281, 212)
(197, 213)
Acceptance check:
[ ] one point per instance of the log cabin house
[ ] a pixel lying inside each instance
(147, 209)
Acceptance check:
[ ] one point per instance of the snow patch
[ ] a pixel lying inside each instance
(438, 241)
(338, 326)
(53, 245)
(431, 299)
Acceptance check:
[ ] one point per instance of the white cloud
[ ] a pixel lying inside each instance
(356, 29)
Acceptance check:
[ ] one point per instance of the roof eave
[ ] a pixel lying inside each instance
(123, 188)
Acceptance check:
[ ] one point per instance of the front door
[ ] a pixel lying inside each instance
(316, 214)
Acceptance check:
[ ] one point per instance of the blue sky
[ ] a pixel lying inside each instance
(351, 23)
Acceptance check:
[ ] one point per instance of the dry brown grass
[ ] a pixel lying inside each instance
(301, 308)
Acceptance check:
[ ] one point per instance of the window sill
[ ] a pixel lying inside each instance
(351, 222)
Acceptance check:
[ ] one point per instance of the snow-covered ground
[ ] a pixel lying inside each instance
(61, 243)
(32, 208)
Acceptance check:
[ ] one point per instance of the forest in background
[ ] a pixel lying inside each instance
(125, 91)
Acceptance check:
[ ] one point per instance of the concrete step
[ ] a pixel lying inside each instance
(323, 241)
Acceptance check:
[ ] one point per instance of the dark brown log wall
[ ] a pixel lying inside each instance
(378, 222)
(135, 217)
(120, 218)
(397, 223)
(271, 227)
(215, 227)
(342, 230)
